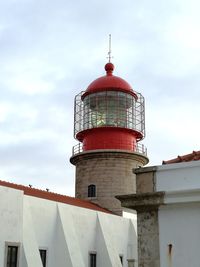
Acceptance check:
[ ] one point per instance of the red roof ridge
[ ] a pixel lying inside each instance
(195, 155)
(39, 193)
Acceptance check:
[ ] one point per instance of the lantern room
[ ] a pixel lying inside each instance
(109, 114)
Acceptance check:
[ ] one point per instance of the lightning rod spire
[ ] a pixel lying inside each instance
(109, 51)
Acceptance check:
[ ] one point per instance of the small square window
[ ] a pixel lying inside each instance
(43, 255)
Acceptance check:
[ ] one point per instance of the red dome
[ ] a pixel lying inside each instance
(109, 82)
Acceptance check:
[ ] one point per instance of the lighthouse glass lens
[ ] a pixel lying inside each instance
(108, 108)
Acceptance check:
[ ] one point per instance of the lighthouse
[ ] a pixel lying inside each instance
(109, 123)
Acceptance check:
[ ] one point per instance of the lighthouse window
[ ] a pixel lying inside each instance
(92, 190)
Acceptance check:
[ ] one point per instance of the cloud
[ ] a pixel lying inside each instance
(50, 51)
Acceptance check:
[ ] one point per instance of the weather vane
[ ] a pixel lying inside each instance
(109, 51)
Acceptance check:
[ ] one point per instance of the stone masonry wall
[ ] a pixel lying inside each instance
(111, 171)
(147, 205)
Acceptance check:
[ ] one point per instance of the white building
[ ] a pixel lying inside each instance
(168, 206)
(61, 231)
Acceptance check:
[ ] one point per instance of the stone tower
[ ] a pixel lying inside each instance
(109, 123)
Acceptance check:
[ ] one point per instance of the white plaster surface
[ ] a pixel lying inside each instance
(178, 176)
(29, 242)
(11, 218)
(179, 218)
(180, 226)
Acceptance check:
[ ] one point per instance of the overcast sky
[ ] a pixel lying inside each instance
(52, 50)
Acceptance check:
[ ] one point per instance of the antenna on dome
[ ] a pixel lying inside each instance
(109, 51)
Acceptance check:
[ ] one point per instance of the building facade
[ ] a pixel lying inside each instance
(43, 229)
(168, 213)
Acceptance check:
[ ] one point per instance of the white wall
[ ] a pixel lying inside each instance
(11, 218)
(178, 176)
(179, 218)
(69, 233)
(180, 226)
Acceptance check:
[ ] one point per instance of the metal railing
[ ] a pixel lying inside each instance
(109, 109)
(140, 148)
(77, 149)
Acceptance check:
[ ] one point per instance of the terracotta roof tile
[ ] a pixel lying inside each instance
(195, 155)
(54, 197)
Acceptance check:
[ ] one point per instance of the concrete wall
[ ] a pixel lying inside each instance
(69, 233)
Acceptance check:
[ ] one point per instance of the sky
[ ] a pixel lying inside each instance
(52, 50)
